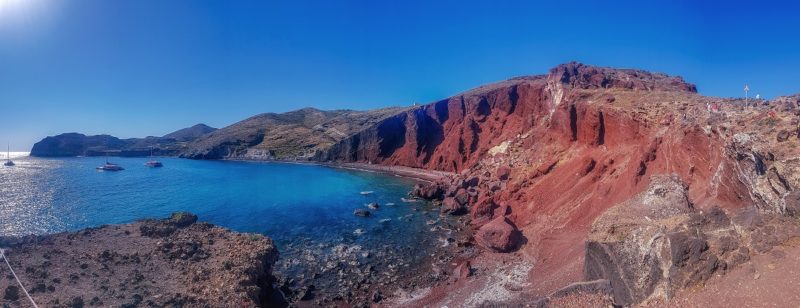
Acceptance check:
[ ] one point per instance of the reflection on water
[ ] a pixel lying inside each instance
(13, 155)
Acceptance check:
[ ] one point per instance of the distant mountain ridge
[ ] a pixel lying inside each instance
(291, 135)
(76, 144)
(190, 133)
(299, 134)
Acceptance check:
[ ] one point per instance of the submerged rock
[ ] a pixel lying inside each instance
(361, 213)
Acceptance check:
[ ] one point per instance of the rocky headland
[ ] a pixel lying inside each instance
(174, 262)
(75, 144)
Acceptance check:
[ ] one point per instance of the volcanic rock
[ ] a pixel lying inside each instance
(452, 207)
(499, 235)
(431, 191)
(196, 264)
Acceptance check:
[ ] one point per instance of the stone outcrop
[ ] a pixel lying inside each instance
(175, 262)
(498, 235)
(657, 243)
(552, 153)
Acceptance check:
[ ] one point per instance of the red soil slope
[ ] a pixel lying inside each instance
(574, 143)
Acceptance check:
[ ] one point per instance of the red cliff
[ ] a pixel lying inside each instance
(553, 152)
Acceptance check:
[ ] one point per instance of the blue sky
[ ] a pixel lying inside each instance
(147, 67)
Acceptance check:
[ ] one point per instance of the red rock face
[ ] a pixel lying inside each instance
(499, 235)
(556, 151)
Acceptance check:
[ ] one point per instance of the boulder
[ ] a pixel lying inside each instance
(483, 210)
(462, 197)
(792, 201)
(452, 207)
(463, 270)
(503, 172)
(499, 235)
(162, 228)
(182, 219)
(472, 182)
(431, 191)
(11, 293)
(782, 136)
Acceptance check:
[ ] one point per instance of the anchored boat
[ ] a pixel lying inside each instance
(152, 163)
(8, 157)
(110, 167)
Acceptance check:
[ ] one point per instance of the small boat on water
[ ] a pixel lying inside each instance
(152, 163)
(110, 167)
(364, 193)
(8, 162)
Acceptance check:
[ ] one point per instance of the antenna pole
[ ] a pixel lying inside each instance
(746, 89)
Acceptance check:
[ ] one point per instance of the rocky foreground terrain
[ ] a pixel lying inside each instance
(175, 262)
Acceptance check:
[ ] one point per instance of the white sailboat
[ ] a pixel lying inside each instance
(109, 166)
(152, 163)
(8, 157)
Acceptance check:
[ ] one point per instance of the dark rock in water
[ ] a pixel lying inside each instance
(499, 235)
(361, 213)
(373, 205)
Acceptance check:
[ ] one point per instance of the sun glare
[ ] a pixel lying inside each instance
(6, 6)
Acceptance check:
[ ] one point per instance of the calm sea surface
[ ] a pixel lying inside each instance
(283, 201)
(306, 209)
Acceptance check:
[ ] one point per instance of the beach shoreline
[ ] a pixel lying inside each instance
(418, 174)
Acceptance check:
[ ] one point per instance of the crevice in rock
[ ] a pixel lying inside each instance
(601, 130)
(573, 123)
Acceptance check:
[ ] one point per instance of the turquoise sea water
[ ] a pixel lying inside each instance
(306, 209)
(277, 199)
